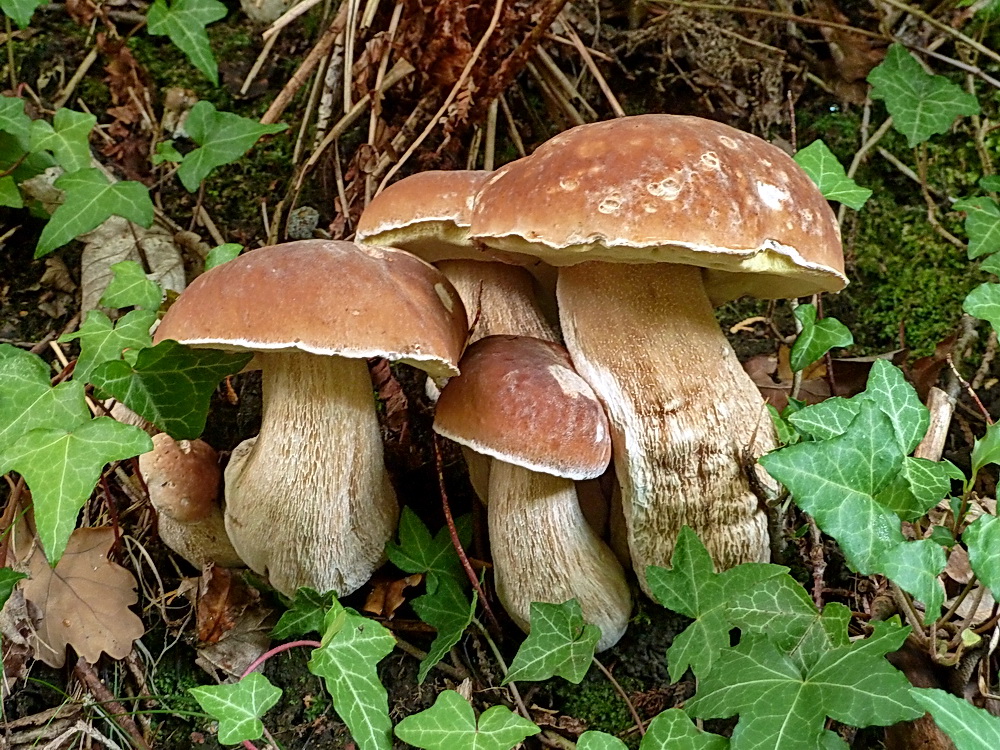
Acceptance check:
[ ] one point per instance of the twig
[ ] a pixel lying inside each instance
(621, 691)
(511, 126)
(968, 388)
(942, 407)
(287, 17)
(449, 99)
(588, 60)
(503, 667)
(115, 710)
(489, 155)
(951, 31)
(258, 63)
(73, 82)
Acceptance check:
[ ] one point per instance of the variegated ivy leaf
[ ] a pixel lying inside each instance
(451, 724)
(449, 611)
(982, 224)
(238, 706)
(828, 173)
(970, 728)
(983, 302)
(816, 338)
(560, 643)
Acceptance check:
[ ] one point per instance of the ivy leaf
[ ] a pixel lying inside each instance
(918, 487)
(418, 552)
(828, 173)
(222, 254)
(102, 341)
(238, 707)
(10, 196)
(991, 264)
(222, 137)
(67, 138)
(921, 104)
(600, 741)
(982, 537)
(347, 662)
(970, 728)
(915, 566)
(898, 400)
(827, 419)
(28, 402)
(166, 151)
(560, 643)
(61, 467)
(170, 384)
(13, 119)
(816, 338)
(673, 729)
(8, 579)
(693, 588)
(991, 183)
(778, 607)
(450, 724)
(986, 450)
(983, 302)
(20, 10)
(449, 612)
(837, 480)
(184, 21)
(787, 434)
(130, 287)
(783, 706)
(305, 615)
(982, 224)
(89, 200)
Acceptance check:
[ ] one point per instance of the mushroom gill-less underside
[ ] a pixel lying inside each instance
(310, 503)
(687, 422)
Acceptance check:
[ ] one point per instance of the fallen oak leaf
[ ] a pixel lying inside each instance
(84, 601)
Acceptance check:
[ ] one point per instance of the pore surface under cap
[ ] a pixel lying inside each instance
(325, 297)
(673, 189)
(519, 400)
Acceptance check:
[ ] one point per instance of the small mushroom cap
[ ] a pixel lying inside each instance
(427, 214)
(519, 400)
(325, 297)
(182, 477)
(668, 188)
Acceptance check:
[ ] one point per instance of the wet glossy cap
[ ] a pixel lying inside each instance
(667, 188)
(325, 297)
(519, 400)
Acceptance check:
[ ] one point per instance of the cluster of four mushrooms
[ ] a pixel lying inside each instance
(650, 221)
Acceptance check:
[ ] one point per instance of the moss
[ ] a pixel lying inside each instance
(595, 702)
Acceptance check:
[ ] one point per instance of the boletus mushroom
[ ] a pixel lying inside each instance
(183, 478)
(519, 401)
(310, 502)
(652, 220)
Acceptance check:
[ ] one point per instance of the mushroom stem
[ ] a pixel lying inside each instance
(686, 420)
(545, 551)
(315, 473)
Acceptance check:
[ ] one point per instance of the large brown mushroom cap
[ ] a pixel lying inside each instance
(325, 297)
(695, 192)
(519, 400)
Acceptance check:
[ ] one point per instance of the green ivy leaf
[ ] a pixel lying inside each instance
(89, 200)
(67, 138)
(170, 384)
(599, 741)
(827, 419)
(673, 729)
(8, 579)
(898, 400)
(130, 287)
(823, 168)
(918, 487)
(238, 707)
(915, 566)
(20, 10)
(449, 611)
(10, 196)
(166, 151)
(816, 338)
(970, 728)
(347, 662)
(986, 450)
(991, 183)
(991, 264)
(778, 607)
(782, 706)
(560, 643)
(982, 537)
(184, 21)
(222, 138)
(836, 481)
(693, 588)
(983, 302)
(787, 434)
(222, 254)
(28, 402)
(61, 467)
(982, 224)
(102, 341)
(450, 724)
(419, 552)
(921, 104)
(306, 614)
(13, 119)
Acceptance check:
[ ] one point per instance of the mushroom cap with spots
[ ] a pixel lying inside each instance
(668, 188)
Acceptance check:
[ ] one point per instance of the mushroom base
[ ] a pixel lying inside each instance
(687, 422)
(545, 551)
(310, 503)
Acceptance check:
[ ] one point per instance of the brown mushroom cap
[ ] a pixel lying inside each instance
(325, 297)
(519, 400)
(427, 213)
(668, 188)
(182, 477)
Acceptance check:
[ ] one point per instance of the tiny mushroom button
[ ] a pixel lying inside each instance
(309, 503)
(652, 220)
(519, 401)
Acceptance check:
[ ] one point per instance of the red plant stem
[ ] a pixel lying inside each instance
(456, 542)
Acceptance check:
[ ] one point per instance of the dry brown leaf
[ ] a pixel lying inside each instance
(223, 598)
(387, 596)
(15, 627)
(83, 602)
